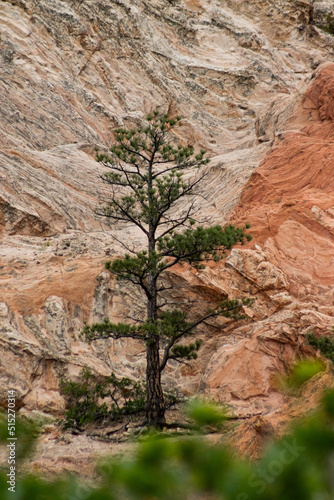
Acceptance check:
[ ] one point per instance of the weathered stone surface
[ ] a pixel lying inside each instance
(243, 374)
(243, 75)
(289, 200)
(72, 71)
(253, 265)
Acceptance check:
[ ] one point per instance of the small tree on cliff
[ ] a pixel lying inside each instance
(148, 167)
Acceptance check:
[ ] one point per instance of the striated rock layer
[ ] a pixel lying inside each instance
(253, 82)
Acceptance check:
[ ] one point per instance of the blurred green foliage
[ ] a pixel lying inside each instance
(205, 414)
(299, 466)
(26, 433)
(300, 373)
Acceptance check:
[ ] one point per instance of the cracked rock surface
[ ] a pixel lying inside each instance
(254, 83)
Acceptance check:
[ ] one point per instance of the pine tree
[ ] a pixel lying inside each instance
(146, 163)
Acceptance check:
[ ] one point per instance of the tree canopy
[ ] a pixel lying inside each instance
(146, 175)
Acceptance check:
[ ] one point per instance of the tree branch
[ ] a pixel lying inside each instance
(120, 168)
(188, 330)
(127, 216)
(179, 223)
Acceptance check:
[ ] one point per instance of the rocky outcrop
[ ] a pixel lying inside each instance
(254, 85)
(72, 71)
(289, 199)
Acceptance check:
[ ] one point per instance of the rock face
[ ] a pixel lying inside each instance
(289, 199)
(253, 83)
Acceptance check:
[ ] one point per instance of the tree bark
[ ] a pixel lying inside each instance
(155, 404)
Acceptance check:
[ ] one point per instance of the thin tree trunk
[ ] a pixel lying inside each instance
(155, 405)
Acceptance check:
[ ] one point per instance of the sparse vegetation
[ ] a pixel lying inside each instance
(329, 25)
(297, 466)
(146, 183)
(100, 399)
(324, 344)
(300, 373)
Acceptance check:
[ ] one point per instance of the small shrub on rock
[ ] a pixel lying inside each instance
(329, 26)
(100, 399)
(324, 344)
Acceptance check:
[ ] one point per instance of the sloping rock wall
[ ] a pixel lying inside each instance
(254, 85)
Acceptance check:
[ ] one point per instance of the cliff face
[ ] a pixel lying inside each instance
(252, 80)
